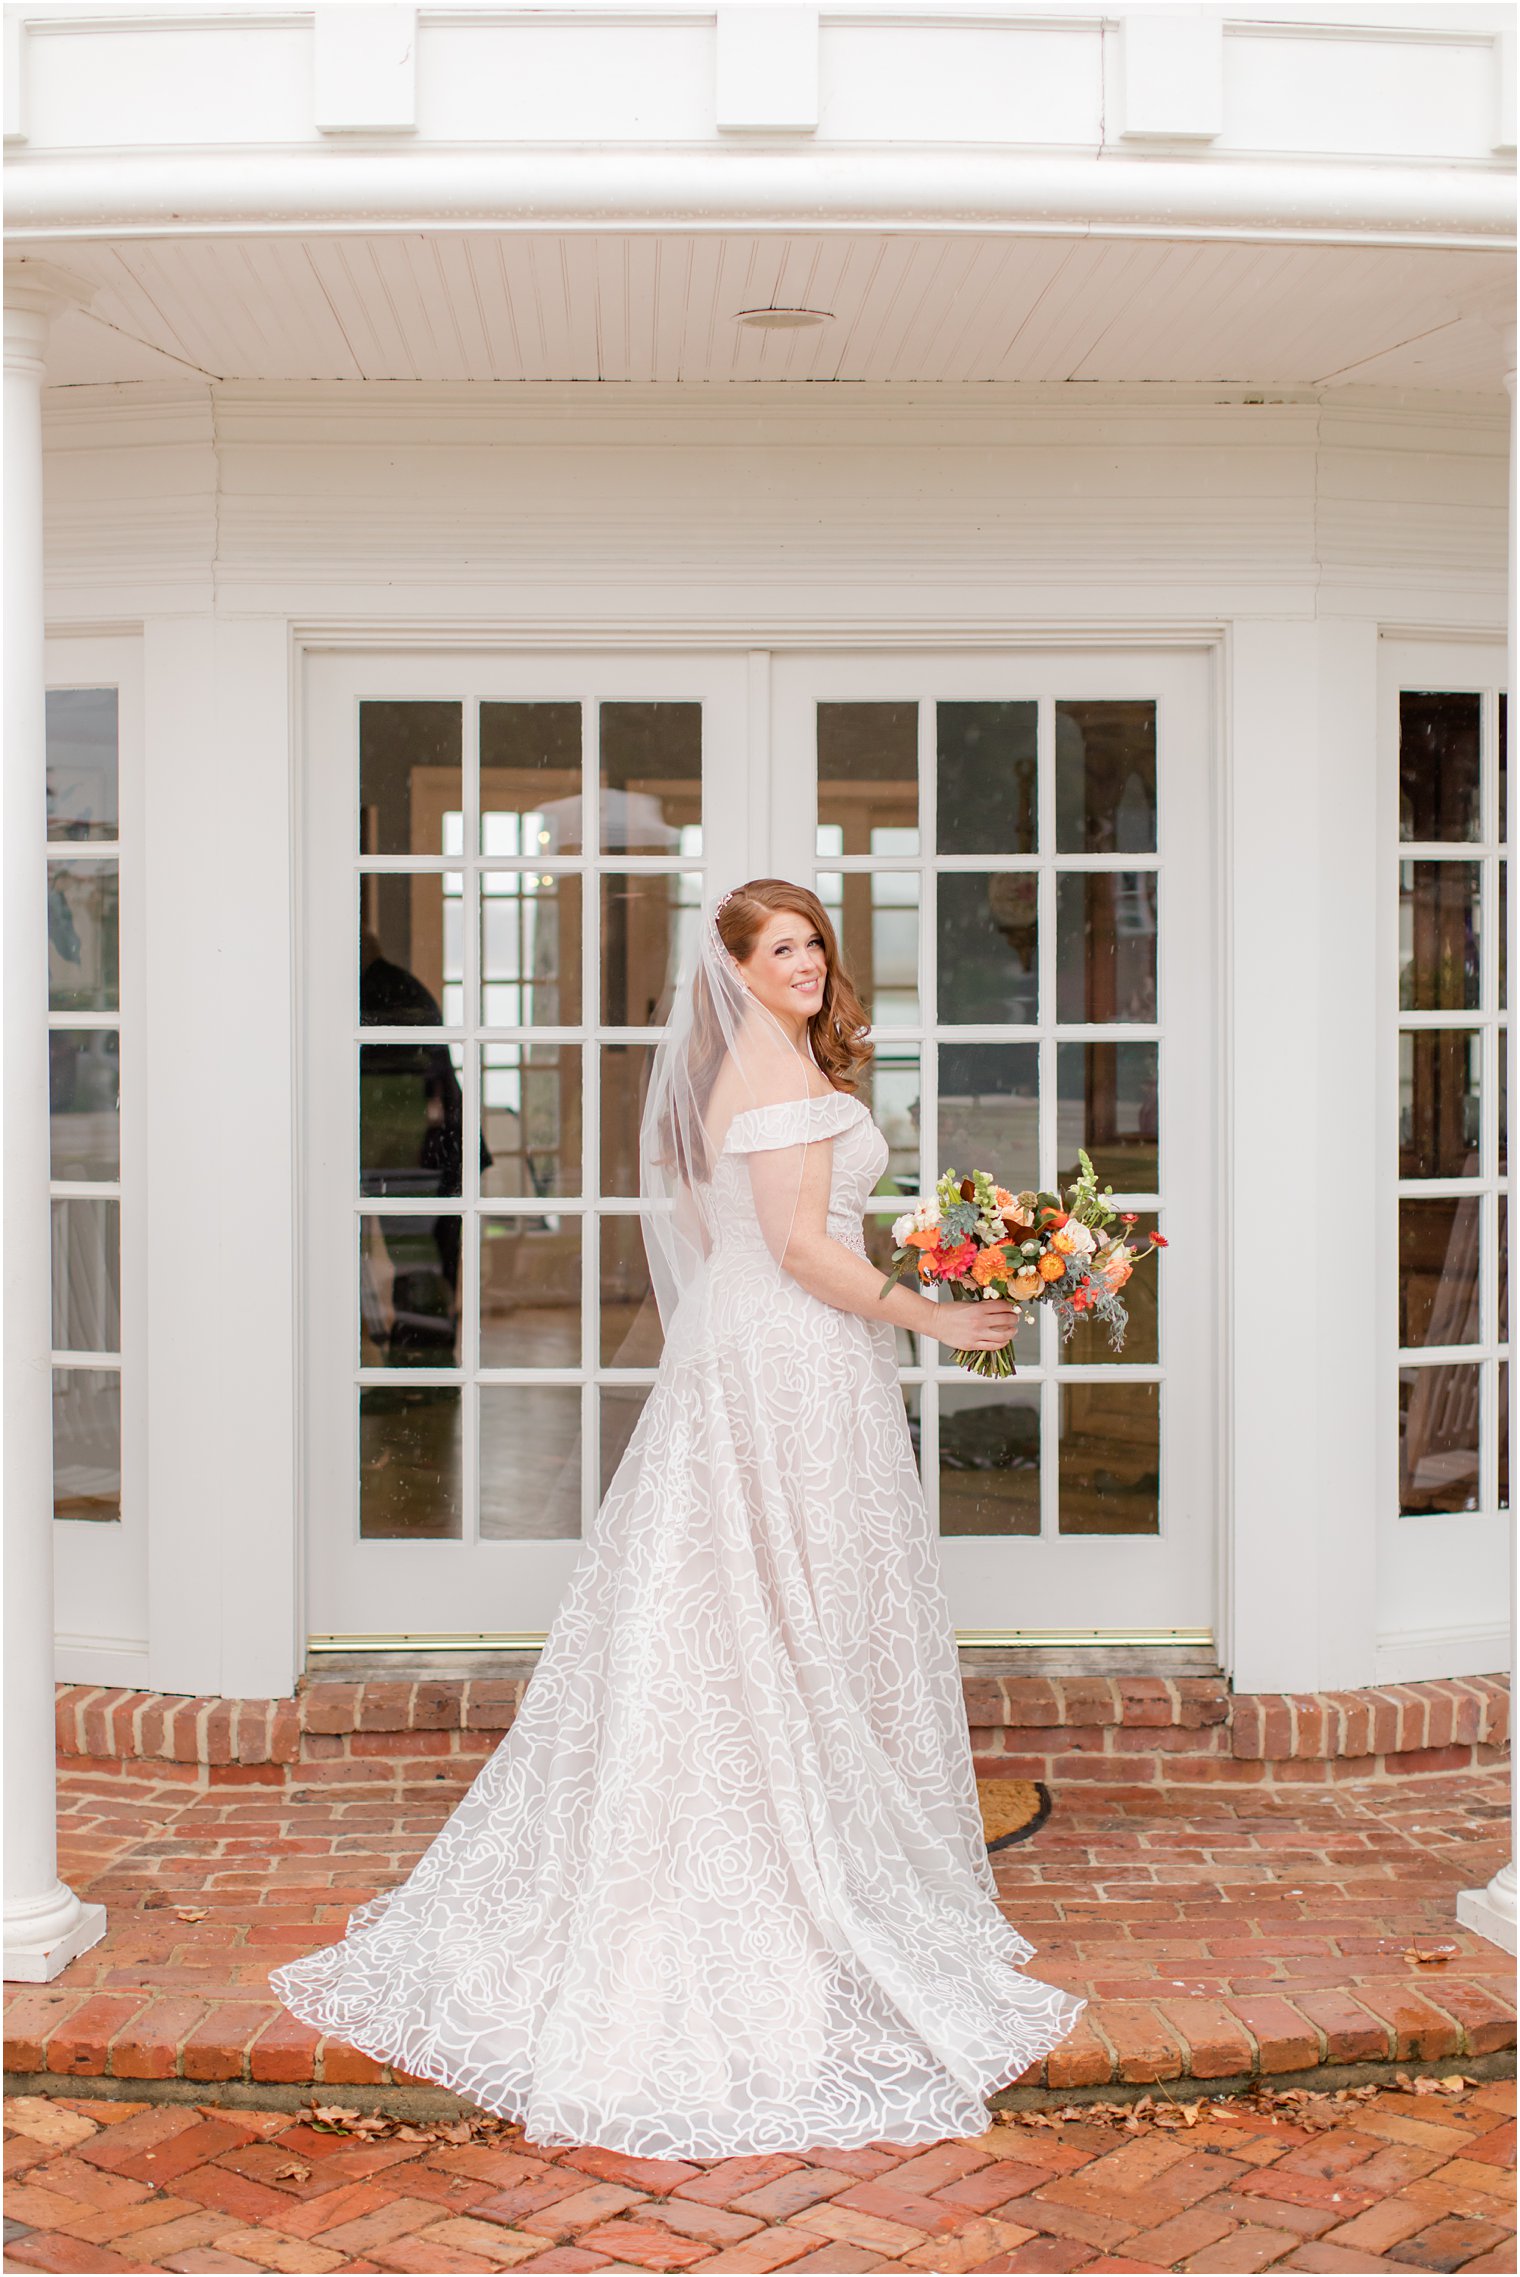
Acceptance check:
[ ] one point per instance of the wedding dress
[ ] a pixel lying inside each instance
(723, 1887)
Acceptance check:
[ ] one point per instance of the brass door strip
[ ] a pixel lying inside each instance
(1005, 1640)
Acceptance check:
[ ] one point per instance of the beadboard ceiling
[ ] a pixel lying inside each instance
(662, 308)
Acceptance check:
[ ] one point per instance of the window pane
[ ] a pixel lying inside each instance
(1107, 1104)
(1438, 1439)
(1438, 936)
(530, 1292)
(530, 1110)
(82, 763)
(411, 950)
(84, 1096)
(1110, 1476)
(1105, 778)
(868, 778)
(646, 925)
(876, 919)
(87, 1443)
(409, 1291)
(410, 777)
(625, 1075)
(1106, 945)
(879, 1247)
(530, 1462)
(988, 947)
(892, 1087)
(1502, 1269)
(629, 1320)
(1503, 767)
(83, 954)
(1438, 1270)
(988, 801)
(651, 778)
(410, 1484)
(530, 779)
(1502, 944)
(989, 1459)
(411, 1118)
(1088, 1344)
(1440, 747)
(989, 1111)
(1503, 1423)
(1440, 1072)
(530, 950)
(1503, 1104)
(86, 1276)
(622, 1405)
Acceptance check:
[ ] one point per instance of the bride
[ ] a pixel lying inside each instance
(723, 1886)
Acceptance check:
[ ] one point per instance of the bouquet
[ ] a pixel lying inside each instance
(978, 1241)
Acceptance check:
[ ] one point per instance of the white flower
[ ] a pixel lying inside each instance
(919, 1219)
(1083, 1240)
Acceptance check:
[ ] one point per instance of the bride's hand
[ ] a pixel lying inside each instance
(984, 1327)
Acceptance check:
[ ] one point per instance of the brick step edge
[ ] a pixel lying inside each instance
(1116, 1730)
(76, 2035)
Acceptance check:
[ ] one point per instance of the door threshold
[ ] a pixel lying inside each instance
(983, 1652)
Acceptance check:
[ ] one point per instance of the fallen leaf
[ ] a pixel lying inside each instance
(1428, 1956)
(192, 1912)
(294, 2172)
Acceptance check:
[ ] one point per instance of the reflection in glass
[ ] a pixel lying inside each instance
(1088, 1343)
(1502, 1269)
(530, 1112)
(82, 763)
(987, 778)
(84, 1096)
(410, 776)
(1440, 1075)
(83, 937)
(989, 1459)
(1107, 1102)
(411, 1118)
(625, 1073)
(530, 950)
(1440, 755)
(1106, 945)
(867, 778)
(1503, 1103)
(1502, 944)
(1438, 1439)
(989, 1110)
(1105, 778)
(622, 1405)
(1503, 1421)
(647, 923)
(1503, 769)
(86, 1443)
(891, 1087)
(530, 1462)
(530, 1292)
(530, 780)
(86, 1276)
(1110, 1470)
(411, 949)
(875, 917)
(409, 1291)
(651, 766)
(1438, 936)
(988, 947)
(629, 1320)
(410, 1448)
(1438, 1269)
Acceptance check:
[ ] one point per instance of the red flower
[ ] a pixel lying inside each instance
(1129, 1217)
(950, 1264)
(1160, 1241)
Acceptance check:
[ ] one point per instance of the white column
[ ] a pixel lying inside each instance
(1491, 1911)
(45, 1924)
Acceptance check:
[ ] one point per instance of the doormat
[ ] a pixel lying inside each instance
(1012, 1809)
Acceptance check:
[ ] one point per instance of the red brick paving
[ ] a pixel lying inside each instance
(1217, 1931)
(1385, 2180)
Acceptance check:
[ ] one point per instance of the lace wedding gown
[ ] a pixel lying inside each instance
(723, 1887)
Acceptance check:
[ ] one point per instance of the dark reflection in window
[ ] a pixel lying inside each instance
(410, 777)
(84, 1097)
(651, 768)
(1502, 1269)
(86, 1276)
(625, 1073)
(1503, 769)
(1110, 1474)
(530, 780)
(989, 934)
(411, 1486)
(622, 1405)
(646, 922)
(411, 950)
(1439, 936)
(82, 763)
(1106, 945)
(1105, 778)
(1503, 1423)
(83, 937)
(1088, 1343)
(987, 792)
(1107, 1103)
(1440, 756)
(530, 1292)
(629, 1319)
(1438, 1439)
(989, 1459)
(1503, 1103)
(409, 1291)
(411, 1119)
(867, 779)
(530, 1462)
(1439, 1099)
(989, 1110)
(87, 1443)
(1438, 1269)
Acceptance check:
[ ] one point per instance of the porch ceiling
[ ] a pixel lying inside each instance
(903, 307)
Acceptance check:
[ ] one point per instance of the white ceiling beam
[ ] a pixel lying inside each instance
(767, 68)
(1171, 75)
(364, 67)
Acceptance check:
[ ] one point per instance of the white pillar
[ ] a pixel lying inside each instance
(45, 1924)
(1491, 1911)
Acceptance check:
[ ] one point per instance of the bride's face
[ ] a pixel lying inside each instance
(787, 968)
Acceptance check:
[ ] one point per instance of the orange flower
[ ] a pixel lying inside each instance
(1026, 1282)
(989, 1266)
(1051, 1267)
(928, 1238)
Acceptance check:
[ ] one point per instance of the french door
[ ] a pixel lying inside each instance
(505, 856)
